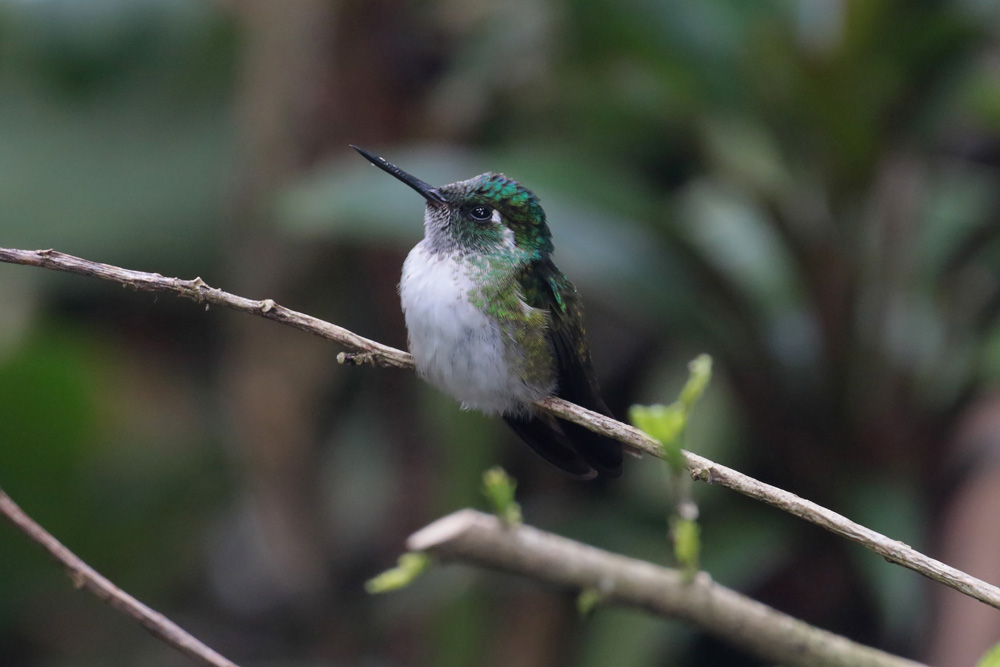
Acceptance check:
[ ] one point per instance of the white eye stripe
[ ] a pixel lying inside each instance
(495, 218)
(508, 237)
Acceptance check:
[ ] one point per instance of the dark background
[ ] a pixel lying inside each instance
(809, 191)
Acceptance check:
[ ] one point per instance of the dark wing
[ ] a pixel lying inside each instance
(575, 449)
(544, 434)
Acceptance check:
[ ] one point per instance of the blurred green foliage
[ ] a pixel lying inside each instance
(808, 190)
(117, 118)
(499, 488)
(411, 565)
(667, 423)
(991, 659)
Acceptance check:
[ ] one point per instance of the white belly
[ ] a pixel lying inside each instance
(455, 346)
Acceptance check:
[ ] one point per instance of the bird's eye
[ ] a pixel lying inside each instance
(480, 213)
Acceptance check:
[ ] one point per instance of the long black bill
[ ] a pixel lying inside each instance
(429, 192)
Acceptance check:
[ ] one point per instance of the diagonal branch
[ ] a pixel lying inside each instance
(482, 539)
(198, 290)
(88, 578)
(705, 470)
(371, 352)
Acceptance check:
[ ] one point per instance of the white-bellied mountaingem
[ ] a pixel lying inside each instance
(493, 323)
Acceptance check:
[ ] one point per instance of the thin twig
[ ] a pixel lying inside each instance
(705, 470)
(88, 578)
(368, 351)
(484, 540)
(198, 290)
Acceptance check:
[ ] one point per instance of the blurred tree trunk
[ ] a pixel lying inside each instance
(271, 377)
(308, 88)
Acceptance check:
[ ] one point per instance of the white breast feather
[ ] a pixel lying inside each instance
(455, 346)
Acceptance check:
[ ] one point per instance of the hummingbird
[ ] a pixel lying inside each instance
(493, 323)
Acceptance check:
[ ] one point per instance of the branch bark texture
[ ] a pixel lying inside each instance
(365, 351)
(482, 539)
(89, 579)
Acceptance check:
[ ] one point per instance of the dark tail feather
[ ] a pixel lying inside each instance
(602, 453)
(571, 448)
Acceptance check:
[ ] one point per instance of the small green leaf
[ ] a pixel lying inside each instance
(665, 423)
(499, 488)
(991, 659)
(410, 566)
(701, 374)
(687, 544)
(588, 600)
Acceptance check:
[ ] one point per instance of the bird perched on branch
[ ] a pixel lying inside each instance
(493, 323)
